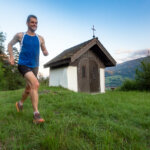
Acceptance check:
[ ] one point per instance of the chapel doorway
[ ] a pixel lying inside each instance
(93, 76)
(88, 76)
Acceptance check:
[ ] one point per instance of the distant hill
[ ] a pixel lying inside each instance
(116, 75)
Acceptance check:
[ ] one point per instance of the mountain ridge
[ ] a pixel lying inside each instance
(126, 70)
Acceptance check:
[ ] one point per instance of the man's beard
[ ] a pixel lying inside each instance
(32, 30)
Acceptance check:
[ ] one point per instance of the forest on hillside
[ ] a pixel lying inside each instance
(116, 75)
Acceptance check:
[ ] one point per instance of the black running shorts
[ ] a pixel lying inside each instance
(24, 69)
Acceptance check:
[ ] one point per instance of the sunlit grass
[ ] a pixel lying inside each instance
(76, 121)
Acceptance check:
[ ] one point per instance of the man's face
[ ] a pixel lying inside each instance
(32, 24)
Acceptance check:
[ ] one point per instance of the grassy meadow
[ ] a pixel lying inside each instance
(76, 121)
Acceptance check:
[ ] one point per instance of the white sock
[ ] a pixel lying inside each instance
(36, 112)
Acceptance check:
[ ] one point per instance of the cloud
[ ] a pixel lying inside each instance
(118, 52)
(126, 55)
(139, 53)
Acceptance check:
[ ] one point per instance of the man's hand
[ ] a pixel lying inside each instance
(45, 53)
(12, 61)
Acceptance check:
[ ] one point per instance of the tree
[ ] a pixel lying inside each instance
(12, 75)
(10, 78)
(142, 78)
(143, 75)
(2, 39)
(2, 82)
(2, 70)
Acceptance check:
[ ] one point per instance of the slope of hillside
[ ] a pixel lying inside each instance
(116, 75)
(76, 121)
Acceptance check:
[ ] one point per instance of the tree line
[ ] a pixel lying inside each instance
(142, 78)
(10, 78)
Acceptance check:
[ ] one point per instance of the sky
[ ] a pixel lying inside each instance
(122, 26)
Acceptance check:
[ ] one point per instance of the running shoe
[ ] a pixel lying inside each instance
(19, 107)
(37, 119)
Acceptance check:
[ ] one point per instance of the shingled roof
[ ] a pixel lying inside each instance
(73, 53)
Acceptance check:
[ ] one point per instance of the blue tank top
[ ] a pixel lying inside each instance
(29, 54)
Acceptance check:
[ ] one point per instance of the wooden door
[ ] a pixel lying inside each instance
(83, 75)
(93, 76)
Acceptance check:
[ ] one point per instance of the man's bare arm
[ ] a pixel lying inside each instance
(43, 47)
(10, 47)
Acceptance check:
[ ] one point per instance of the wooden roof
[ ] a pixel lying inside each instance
(70, 55)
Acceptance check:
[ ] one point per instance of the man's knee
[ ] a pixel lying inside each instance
(35, 85)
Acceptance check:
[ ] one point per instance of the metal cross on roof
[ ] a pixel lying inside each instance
(93, 31)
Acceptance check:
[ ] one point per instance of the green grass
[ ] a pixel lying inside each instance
(114, 80)
(77, 121)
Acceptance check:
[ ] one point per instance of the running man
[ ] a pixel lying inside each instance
(28, 63)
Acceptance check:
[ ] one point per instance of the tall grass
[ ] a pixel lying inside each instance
(77, 121)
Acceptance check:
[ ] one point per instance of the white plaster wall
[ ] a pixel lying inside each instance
(102, 80)
(58, 77)
(72, 78)
(65, 77)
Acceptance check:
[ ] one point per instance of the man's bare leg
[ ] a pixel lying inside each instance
(34, 85)
(25, 93)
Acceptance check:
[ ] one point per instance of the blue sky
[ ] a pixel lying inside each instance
(122, 26)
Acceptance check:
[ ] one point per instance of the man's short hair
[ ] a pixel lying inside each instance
(31, 16)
